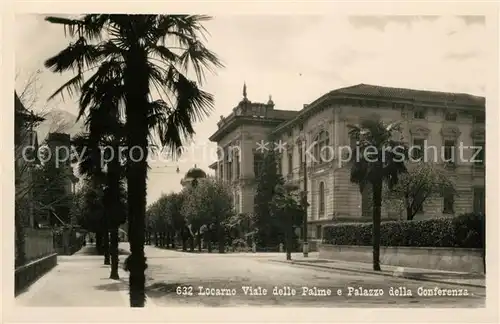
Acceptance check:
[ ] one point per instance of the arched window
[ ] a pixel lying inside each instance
(321, 199)
(322, 151)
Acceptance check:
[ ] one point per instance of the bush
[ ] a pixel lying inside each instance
(464, 231)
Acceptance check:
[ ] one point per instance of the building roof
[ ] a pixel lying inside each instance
(374, 92)
(369, 90)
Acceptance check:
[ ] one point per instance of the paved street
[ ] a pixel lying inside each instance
(175, 278)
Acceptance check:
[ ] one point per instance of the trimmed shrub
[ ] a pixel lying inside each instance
(464, 231)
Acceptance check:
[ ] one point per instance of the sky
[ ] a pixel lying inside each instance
(295, 59)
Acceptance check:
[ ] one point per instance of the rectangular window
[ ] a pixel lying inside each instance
(450, 116)
(258, 161)
(479, 119)
(279, 162)
(319, 231)
(301, 157)
(418, 148)
(290, 162)
(301, 127)
(448, 203)
(479, 153)
(419, 114)
(229, 170)
(449, 151)
(237, 161)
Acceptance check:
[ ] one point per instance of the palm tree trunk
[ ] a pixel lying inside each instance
(377, 216)
(114, 253)
(137, 131)
(105, 241)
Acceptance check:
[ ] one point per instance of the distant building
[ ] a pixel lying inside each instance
(26, 157)
(60, 147)
(192, 175)
(443, 119)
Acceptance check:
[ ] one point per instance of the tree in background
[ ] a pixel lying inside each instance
(268, 227)
(376, 159)
(166, 220)
(286, 206)
(422, 181)
(207, 207)
(240, 229)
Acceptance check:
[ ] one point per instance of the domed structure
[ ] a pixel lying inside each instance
(193, 174)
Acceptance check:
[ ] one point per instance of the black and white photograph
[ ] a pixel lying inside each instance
(251, 160)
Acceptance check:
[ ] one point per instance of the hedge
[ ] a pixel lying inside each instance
(464, 231)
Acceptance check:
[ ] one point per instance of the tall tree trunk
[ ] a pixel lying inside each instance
(114, 253)
(191, 243)
(288, 236)
(173, 239)
(209, 238)
(377, 205)
(105, 241)
(220, 237)
(137, 100)
(409, 213)
(184, 240)
(98, 242)
(199, 240)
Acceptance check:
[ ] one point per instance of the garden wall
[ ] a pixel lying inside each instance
(452, 244)
(39, 258)
(449, 259)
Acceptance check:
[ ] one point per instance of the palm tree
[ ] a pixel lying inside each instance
(377, 158)
(101, 157)
(148, 56)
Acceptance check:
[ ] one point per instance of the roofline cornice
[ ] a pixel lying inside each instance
(324, 100)
(242, 120)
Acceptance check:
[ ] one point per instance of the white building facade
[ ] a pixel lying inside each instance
(441, 120)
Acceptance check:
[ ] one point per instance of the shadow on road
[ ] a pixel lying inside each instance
(92, 250)
(118, 285)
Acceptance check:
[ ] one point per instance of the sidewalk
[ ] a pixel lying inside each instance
(79, 280)
(445, 277)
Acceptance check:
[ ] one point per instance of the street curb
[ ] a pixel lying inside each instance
(405, 276)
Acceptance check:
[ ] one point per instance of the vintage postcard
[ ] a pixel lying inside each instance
(243, 162)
